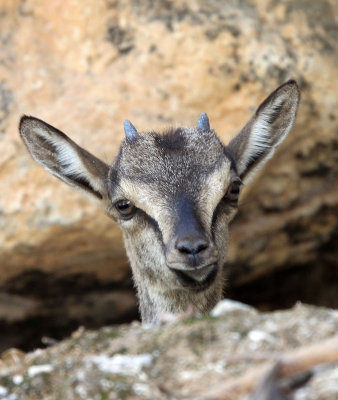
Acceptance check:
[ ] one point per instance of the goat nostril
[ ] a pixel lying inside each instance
(200, 247)
(191, 246)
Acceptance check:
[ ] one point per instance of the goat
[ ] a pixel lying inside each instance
(173, 195)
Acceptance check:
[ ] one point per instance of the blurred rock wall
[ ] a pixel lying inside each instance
(85, 66)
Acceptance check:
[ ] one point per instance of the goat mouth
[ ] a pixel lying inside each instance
(187, 280)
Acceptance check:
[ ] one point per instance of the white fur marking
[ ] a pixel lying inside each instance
(69, 162)
(261, 136)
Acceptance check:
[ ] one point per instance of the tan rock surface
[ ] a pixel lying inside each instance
(85, 66)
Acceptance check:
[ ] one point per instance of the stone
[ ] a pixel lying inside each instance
(231, 307)
(196, 358)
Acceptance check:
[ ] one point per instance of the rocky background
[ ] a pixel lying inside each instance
(85, 66)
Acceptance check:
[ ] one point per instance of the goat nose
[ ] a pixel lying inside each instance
(191, 245)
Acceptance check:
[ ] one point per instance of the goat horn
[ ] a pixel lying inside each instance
(203, 122)
(130, 130)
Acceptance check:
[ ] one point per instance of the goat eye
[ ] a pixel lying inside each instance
(233, 191)
(125, 207)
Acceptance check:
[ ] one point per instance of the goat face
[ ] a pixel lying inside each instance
(173, 194)
(178, 191)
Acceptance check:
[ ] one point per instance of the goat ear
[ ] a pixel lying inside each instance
(268, 127)
(62, 157)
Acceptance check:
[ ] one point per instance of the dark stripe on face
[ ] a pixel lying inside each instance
(216, 213)
(153, 223)
(187, 221)
(223, 207)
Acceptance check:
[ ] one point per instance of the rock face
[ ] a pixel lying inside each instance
(221, 358)
(86, 66)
